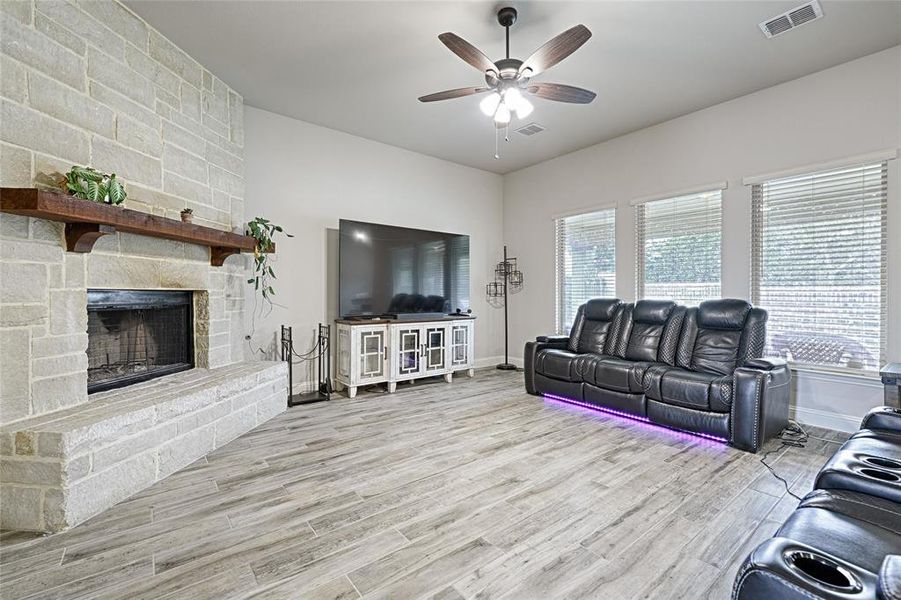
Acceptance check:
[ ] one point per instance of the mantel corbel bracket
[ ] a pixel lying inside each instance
(218, 254)
(81, 237)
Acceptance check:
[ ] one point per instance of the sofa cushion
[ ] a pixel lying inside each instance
(719, 327)
(716, 351)
(686, 388)
(557, 364)
(584, 365)
(596, 324)
(610, 373)
(728, 313)
(649, 317)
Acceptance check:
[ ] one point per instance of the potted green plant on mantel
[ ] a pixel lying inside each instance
(90, 184)
(187, 215)
(262, 230)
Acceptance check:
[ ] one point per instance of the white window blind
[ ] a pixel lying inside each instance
(678, 243)
(818, 265)
(586, 262)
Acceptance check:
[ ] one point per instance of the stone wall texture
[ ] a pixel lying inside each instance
(90, 83)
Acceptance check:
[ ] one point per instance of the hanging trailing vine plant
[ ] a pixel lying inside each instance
(262, 230)
(91, 184)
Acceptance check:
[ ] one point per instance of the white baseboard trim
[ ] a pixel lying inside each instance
(490, 361)
(827, 419)
(305, 387)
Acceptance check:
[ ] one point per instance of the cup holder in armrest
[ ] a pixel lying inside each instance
(881, 475)
(823, 571)
(885, 463)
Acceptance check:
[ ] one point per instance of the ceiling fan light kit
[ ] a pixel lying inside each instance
(509, 79)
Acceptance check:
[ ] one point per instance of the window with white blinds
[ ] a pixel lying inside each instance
(586, 262)
(678, 248)
(818, 265)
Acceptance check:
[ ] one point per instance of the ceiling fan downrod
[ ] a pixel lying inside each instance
(507, 17)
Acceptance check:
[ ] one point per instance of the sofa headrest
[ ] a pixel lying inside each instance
(653, 312)
(601, 309)
(728, 313)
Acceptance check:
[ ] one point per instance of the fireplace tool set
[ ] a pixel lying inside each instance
(321, 353)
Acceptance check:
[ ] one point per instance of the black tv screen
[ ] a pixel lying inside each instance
(386, 270)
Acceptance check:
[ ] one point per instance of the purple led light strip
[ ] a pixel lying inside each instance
(631, 417)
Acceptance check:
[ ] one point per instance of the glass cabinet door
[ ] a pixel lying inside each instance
(435, 347)
(372, 354)
(344, 353)
(409, 350)
(459, 345)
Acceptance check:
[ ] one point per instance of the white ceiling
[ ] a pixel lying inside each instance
(360, 66)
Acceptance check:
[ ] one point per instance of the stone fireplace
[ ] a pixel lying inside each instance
(173, 133)
(136, 335)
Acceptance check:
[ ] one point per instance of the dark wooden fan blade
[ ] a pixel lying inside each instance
(467, 52)
(457, 93)
(561, 93)
(555, 50)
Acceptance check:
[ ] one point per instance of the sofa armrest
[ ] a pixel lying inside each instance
(882, 417)
(765, 364)
(761, 391)
(531, 351)
(889, 585)
(767, 575)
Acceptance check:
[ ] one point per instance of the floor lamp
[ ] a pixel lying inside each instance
(507, 278)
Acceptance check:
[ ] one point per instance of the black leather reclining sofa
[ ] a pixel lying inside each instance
(694, 369)
(844, 539)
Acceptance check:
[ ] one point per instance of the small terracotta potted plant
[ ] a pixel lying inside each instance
(187, 215)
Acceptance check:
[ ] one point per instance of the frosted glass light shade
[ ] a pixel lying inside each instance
(489, 103)
(523, 109)
(503, 114)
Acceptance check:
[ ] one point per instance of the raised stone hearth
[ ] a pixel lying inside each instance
(64, 467)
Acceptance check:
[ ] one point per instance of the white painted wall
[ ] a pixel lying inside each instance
(844, 111)
(305, 177)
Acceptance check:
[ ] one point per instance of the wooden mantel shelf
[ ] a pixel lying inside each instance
(88, 221)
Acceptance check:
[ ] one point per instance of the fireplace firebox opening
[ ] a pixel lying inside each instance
(136, 335)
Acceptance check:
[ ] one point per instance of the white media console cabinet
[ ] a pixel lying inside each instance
(387, 351)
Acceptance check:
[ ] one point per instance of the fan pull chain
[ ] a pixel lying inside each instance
(497, 133)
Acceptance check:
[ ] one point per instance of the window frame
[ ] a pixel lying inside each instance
(559, 260)
(641, 234)
(756, 253)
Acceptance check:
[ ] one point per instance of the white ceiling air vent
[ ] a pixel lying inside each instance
(791, 19)
(530, 129)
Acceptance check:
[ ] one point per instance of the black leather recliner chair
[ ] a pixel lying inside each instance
(844, 539)
(694, 369)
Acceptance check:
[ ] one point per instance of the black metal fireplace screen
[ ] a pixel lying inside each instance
(135, 335)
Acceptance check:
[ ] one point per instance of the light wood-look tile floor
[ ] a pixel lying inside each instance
(468, 490)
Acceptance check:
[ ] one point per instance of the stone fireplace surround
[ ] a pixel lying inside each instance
(79, 454)
(126, 100)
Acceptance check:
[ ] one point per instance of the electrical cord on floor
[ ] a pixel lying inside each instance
(792, 436)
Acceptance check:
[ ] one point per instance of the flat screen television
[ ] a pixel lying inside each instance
(396, 271)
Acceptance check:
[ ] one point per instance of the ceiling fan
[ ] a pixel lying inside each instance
(508, 78)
